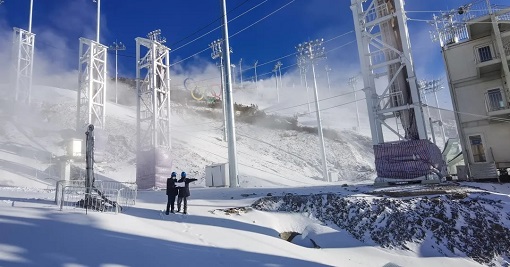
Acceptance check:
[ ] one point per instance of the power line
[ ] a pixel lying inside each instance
(244, 13)
(186, 44)
(327, 98)
(437, 11)
(277, 59)
(288, 66)
(263, 18)
(464, 22)
(204, 27)
(470, 114)
(235, 33)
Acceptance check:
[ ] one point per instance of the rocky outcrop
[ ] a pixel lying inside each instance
(476, 225)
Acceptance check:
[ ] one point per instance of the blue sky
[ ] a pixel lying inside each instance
(59, 23)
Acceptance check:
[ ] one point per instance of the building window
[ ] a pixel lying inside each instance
(477, 149)
(495, 100)
(484, 53)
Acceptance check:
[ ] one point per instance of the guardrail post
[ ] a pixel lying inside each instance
(62, 198)
(56, 191)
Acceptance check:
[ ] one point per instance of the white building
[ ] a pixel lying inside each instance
(475, 41)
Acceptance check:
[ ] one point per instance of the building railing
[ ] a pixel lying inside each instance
(451, 26)
(105, 196)
(504, 16)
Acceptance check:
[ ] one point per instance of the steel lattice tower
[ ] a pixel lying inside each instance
(153, 112)
(23, 50)
(92, 84)
(384, 50)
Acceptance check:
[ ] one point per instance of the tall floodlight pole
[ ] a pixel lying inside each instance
(217, 52)
(301, 61)
(98, 25)
(255, 66)
(241, 71)
(328, 70)
(278, 87)
(30, 16)
(352, 82)
(422, 84)
(314, 51)
(441, 122)
(233, 74)
(117, 46)
(429, 87)
(275, 70)
(232, 158)
(279, 64)
(91, 101)
(24, 43)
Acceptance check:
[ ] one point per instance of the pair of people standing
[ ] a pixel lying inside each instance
(179, 188)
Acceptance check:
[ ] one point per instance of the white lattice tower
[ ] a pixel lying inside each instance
(92, 84)
(384, 50)
(153, 123)
(23, 50)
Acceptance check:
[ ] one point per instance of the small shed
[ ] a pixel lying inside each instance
(216, 175)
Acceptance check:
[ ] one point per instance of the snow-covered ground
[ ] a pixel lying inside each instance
(278, 170)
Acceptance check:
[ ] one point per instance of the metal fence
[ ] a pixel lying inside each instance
(104, 196)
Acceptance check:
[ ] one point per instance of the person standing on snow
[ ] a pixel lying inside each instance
(183, 185)
(171, 192)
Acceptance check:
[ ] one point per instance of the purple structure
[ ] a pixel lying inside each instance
(408, 159)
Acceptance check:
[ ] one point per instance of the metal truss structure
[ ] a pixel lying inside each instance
(384, 50)
(23, 50)
(153, 127)
(153, 161)
(92, 84)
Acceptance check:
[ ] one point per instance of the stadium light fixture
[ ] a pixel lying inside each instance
(156, 36)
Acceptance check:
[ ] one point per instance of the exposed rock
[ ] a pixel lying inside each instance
(474, 225)
(288, 236)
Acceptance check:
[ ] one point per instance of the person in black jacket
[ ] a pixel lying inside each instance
(183, 185)
(171, 192)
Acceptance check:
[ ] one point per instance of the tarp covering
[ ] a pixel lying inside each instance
(408, 159)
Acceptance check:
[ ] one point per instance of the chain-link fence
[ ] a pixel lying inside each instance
(105, 196)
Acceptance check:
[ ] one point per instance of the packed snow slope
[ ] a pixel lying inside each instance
(38, 135)
(282, 196)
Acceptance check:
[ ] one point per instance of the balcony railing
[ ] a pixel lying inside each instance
(451, 26)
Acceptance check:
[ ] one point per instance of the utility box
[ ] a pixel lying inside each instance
(74, 148)
(216, 175)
